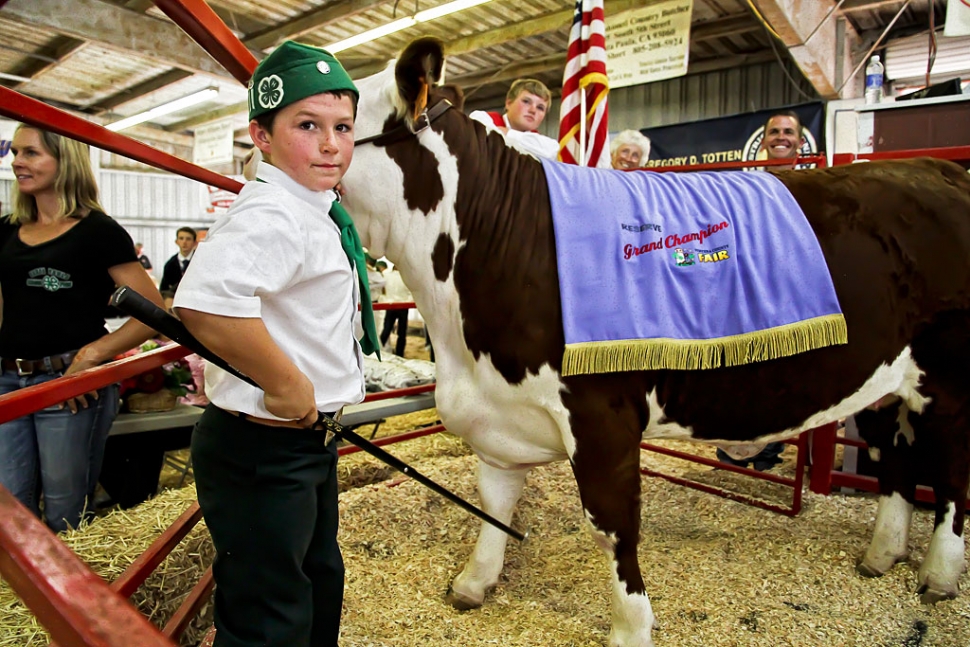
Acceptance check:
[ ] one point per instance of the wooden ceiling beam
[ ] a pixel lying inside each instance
(532, 27)
(116, 28)
(240, 23)
(51, 56)
(864, 5)
(138, 90)
(309, 21)
(811, 36)
(557, 61)
(727, 26)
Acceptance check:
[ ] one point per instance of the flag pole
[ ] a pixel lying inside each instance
(582, 126)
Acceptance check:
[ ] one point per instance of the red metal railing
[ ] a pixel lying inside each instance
(69, 600)
(800, 442)
(33, 398)
(818, 160)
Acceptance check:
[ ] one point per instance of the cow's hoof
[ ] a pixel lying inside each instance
(461, 602)
(869, 567)
(865, 570)
(929, 595)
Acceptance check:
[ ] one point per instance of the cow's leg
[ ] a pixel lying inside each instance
(944, 446)
(897, 486)
(607, 468)
(942, 431)
(499, 490)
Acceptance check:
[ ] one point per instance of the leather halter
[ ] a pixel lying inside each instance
(404, 130)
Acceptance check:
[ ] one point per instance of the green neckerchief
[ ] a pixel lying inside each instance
(350, 241)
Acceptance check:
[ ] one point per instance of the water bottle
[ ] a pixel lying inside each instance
(874, 73)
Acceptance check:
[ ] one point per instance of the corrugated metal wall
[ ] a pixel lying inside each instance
(699, 96)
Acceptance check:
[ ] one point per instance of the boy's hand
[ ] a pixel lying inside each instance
(295, 401)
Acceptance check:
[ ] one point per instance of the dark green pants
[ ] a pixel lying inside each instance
(269, 498)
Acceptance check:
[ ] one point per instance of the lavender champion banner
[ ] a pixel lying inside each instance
(685, 270)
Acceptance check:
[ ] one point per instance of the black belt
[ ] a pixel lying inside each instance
(49, 364)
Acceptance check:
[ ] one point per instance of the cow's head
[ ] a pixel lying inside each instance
(402, 170)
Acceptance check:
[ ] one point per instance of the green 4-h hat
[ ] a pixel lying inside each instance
(292, 72)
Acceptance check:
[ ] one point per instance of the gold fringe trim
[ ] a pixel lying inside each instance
(679, 354)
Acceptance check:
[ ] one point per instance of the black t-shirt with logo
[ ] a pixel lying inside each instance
(55, 293)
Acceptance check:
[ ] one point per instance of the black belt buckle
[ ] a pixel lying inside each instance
(20, 368)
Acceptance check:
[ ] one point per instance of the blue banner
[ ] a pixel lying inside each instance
(728, 139)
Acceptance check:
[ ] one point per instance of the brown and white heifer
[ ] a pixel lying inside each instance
(467, 220)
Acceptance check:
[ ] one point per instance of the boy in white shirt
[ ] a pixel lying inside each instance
(274, 290)
(526, 105)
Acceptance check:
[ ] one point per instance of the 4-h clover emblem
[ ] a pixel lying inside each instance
(51, 284)
(270, 91)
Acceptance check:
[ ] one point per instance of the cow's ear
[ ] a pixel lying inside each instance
(418, 68)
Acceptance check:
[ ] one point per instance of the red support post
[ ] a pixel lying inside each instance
(800, 442)
(396, 393)
(395, 306)
(206, 28)
(823, 458)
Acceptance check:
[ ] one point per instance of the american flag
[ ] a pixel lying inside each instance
(585, 73)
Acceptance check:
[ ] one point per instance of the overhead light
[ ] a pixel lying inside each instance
(447, 8)
(165, 108)
(373, 34)
(14, 77)
(396, 26)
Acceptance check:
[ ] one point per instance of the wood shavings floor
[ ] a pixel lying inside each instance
(718, 573)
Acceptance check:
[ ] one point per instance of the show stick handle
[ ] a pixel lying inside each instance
(137, 306)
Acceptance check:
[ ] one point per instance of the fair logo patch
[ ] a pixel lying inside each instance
(323, 67)
(270, 91)
(683, 257)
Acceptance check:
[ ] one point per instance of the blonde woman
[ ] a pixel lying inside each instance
(60, 259)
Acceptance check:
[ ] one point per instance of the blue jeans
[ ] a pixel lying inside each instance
(55, 452)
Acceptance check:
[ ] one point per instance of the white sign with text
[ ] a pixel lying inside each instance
(648, 44)
(213, 143)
